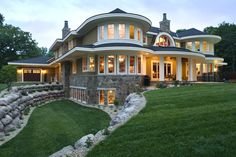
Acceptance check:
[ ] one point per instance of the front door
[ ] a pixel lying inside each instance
(155, 71)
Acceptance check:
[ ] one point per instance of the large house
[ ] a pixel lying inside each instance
(109, 54)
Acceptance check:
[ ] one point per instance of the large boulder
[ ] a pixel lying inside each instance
(2, 134)
(3, 102)
(16, 122)
(83, 141)
(64, 152)
(9, 128)
(6, 120)
(1, 126)
(11, 97)
(2, 113)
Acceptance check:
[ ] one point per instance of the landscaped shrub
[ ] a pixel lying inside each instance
(176, 83)
(116, 102)
(26, 111)
(106, 132)
(161, 85)
(89, 142)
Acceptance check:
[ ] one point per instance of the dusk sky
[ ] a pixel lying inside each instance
(45, 18)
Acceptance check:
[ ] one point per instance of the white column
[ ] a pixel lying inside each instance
(201, 69)
(162, 78)
(190, 70)
(179, 69)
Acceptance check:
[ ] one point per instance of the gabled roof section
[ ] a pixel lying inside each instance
(157, 30)
(35, 60)
(117, 10)
(191, 32)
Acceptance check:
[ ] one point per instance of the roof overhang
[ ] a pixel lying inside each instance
(28, 64)
(212, 38)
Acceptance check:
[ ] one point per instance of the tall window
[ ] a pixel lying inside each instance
(177, 44)
(101, 35)
(122, 64)
(121, 31)
(111, 31)
(139, 64)
(101, 97)
(132, 64)
(139, 34)
(131, 31)
(204, 46)
(102, 64)
(111, 64)
(189, 45)
(88, 63)
(197, 46)
(111, 97)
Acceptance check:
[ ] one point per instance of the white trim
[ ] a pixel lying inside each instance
(158, 70)
(29, 64)
(107, 41)
(78, 87)
(103, 88)
(214, 58)
(201, 36)
(223, 63)
(165, 34)
(152, 33)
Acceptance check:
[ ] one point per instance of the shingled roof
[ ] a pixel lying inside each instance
(117, 10)
(190, 32)
(35, 60)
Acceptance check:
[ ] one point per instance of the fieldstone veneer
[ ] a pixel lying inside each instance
(123, 85)
(13, 104)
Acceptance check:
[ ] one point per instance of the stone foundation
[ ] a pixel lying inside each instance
(123, 85)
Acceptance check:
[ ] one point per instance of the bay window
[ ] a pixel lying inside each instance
(132, 64)
(111, 31)
(111, 64)
(122, 63)
(197, 46)
(101, 64)
(131, 31)
(121, 31)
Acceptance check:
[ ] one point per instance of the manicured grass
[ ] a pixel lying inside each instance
(196, 121)
(52, 127)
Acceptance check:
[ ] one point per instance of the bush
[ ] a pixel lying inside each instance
(8, 75)
(26, 111)
(161, 85)
(106, 132)
(176, 82)
(116, 102)
(89, 142)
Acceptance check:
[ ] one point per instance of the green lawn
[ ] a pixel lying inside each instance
(52, 127)
(196, 121)
(2, 86)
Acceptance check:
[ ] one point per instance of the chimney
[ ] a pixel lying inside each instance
(165, 24)
(65, 30)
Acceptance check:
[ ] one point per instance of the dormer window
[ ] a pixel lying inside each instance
(163, 41)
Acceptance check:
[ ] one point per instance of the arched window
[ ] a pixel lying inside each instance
(163, 41)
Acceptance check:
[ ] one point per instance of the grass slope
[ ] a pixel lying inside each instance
(53, 126)
(178, 122)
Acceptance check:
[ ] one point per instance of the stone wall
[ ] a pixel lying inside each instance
(14, 104)
(123, 84)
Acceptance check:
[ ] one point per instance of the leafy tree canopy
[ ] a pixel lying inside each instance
(8, 75)
(226, 48)
(16, 44)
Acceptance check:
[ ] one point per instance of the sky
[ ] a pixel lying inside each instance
(45, 18)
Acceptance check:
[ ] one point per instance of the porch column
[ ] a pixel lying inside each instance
(201, 69)
(190, 71)
(162, 78)
(179, 69)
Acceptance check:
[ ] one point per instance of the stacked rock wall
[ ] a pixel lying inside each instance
(19, 99)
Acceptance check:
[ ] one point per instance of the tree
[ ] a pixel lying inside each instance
(8, 75)
(226, 48)
(1, 19)
(17, 44)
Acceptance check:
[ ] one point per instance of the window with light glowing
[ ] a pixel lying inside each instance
(101, 64)
(101, 97)
(163, 41)
(122, 63)
(101, 35)
(111, 64)
(197, 46)
(189, 45)
(121, 31)
(88, 64)
(131, 31)
(111, 97)
(111, 31)
(132, 64)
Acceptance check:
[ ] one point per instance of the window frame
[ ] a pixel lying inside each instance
(86, 61)
(118, 64)
(114, 32)
(107, 59)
